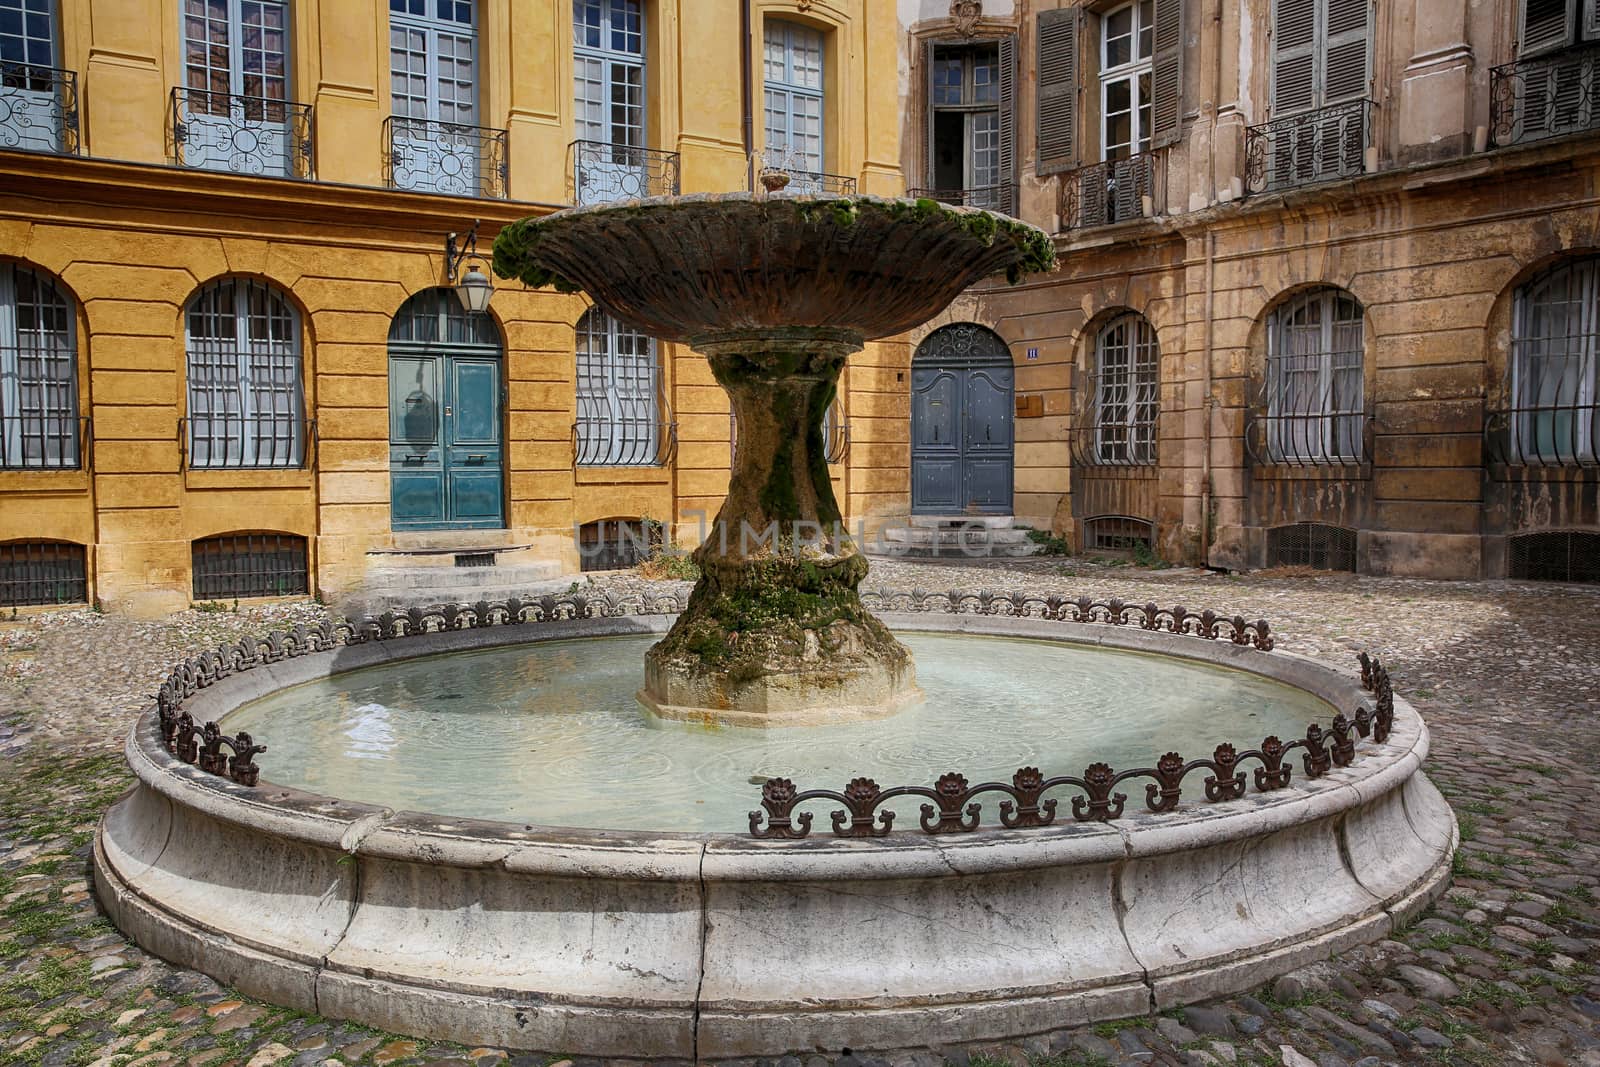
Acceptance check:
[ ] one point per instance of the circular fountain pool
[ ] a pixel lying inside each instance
(556, 728)
(360, 879)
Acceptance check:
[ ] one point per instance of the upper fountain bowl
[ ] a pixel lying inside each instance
(692, 268)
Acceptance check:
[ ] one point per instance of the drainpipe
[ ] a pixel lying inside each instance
(1206, 401)
(746, 120)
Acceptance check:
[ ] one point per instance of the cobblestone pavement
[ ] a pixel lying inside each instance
(1502, 971)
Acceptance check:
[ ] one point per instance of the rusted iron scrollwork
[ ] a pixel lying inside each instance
(1114, 612)
(954, 807)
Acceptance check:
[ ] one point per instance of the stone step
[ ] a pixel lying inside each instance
(386, 587)
(433, 542)
(992, 522)
(917, 535)
(976, 550)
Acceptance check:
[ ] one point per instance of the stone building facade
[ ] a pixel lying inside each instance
(232, 357)
(1328, 284)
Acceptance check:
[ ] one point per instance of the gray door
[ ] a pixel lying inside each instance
(961, 433)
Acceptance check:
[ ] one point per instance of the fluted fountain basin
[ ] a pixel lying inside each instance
(655, 943)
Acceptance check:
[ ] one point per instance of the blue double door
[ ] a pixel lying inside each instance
(962, 451)
(446, 446)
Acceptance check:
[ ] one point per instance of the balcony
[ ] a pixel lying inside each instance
(604, 172)
(1113, 191)
(1313, 146)
(780, 173)
(1564, 432)
(241, 134)
(1001, 198)
(38, 108)
(430, 156)
(1545, 96)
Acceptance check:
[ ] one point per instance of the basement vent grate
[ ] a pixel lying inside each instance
(1312, 544)
(618, 544)
(249, 564)
(42, 572)
(1116, 533)
(1563, 556)
(474, 559)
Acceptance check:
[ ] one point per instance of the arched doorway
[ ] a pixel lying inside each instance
(446, 448)
(961, 432)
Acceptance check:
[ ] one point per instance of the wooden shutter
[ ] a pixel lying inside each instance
(1166, 74)
(1294, 56)
(1008, 124)
(1344, 70)
(1057, 131)
(1547, 24)
(928, 166)
(1591, 19)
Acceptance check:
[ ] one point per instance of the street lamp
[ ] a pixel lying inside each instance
(474, 289)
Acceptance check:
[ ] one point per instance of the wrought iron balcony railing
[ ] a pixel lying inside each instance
(49, 442)
(241, 134)
(1557, 434)
(773, 167)
(1001, 198)
(230, 441)
(1327, 440)
(1312, 146)
(429, 156)
(38, 108)
(609, 434)
(1113, 191)
(1545, 96)
(603, 172)
(1101, 443)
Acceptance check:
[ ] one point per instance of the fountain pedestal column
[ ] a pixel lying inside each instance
(774, 633)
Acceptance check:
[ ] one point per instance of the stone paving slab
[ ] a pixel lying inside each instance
(1502, 971)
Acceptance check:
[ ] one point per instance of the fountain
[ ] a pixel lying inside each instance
(466, 828)
(775, 292)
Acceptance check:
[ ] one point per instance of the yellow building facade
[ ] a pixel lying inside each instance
(236, 360)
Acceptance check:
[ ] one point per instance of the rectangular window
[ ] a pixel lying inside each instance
(609, 98)
(435, 144)
(1127, 38)
(792, 101)
(38, 103)
(233, 111)
(964, 126)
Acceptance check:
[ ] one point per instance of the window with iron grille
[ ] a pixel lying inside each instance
(1315, 406)
(248, 565)
(1560, 556)
(38, 372)
(1312, 544)
(1117, 533)
(1554, 368)
(245, 402)
(42, 572)
(619, 394)
(617, 544)
(1122, 389)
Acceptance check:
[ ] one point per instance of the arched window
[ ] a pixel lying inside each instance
(619, 395)
(245, 403)
(793, 103)
(609, 100)
(1123, 392)
(1314, 399)
(38, 372)
(1555, 366)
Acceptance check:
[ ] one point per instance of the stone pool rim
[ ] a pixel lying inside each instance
(649, 1019)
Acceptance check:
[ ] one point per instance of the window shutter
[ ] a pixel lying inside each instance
(1294, 55)
(1058, 90)
(1591, 19)
(928, 149)
(1008, 125)
(1344, 75)
(1166, 74)
(1547, 24)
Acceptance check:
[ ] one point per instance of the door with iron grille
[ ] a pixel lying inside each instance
(446, 447)
(961, 432)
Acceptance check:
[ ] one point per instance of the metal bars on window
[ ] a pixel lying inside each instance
(245, 402)
(250, 565)
(39, 425)
(1121, 426)
(1553, 372)
(1117, 533)
(620, 402)
(1313, 408)
(42, 572)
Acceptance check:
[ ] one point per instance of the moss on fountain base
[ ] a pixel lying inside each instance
(778, 641)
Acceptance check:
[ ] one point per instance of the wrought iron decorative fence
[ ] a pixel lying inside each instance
(31, 441)
(603, 172)
(430, 156)
(801, 181)
(1545, 96)
(1001, 197)
(38, 108)
(1103, 444)
(43, 573)
(954, 808)
(1112, 191)
(1312, 146)
(1562, 433)
(1312, 439)
(228, 440)
(632, 436)
(242, 134)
